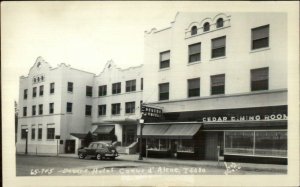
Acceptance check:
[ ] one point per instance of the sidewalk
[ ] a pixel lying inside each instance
(193, 163)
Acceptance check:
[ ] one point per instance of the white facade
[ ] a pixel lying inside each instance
(236, 64)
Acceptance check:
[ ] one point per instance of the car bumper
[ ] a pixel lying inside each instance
(111, 154)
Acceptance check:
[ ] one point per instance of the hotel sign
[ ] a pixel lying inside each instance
(151, 111)
(245, 118)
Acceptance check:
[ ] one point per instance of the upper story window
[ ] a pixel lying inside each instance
(52, 87)
(218, 47)
(70, 86)
(41, 90)
(88, 110)
(130, 85)
(89, 91)
(24, 132)
(220, 22)
(33, 132)
(130, 107)
(69, 107)
(164, 59)
(34, 92)
(194, 30)
(24, 111)
(194, 87)
(33, 111)
(260, 79)
(115, 108)
(101, 110)
(25, 93)
(217, 84)
(116, 88)
(40, 132)
(206, 27)
(102, 90)
(40, 109)
(260, 37)
(51, 108)
(195, 52)
(142, 83)
(164, 91)
(50, 132)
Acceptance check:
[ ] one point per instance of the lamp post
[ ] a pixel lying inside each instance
(141, 123)
(26, 146)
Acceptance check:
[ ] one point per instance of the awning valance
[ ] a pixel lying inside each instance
(104, 129)
(245, 125)
(170, 131)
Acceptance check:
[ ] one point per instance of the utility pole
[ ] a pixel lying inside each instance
(141, 124)
(26, 146)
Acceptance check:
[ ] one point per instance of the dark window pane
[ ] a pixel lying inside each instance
(33, 133)
(164, 59)
(24, 111)
(23, 134)
(50, 133)
(218, 52)
(194, 58)
(130, 85)
(259, 85)
(89, 91)
(260, 37)
(220, 22)
(165, 64)
(239, 142)
(164, 91)
(116, 88)
(40, 109)
(206, 27)
(130, 107)
(115, 109)
(88, 110)
(25, 93)
(69, 107)
(34, 92)
(70, 87)
(217, 90)
(40, 133)
(194, 30)
(102, 90)
(260, 43)
(101, 110)
(51, 87)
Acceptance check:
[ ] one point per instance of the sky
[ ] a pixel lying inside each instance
(84, 35)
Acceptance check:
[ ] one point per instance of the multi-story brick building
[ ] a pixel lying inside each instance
(224, 77)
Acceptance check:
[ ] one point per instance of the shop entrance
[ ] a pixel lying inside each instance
(212, 140)
(129, 134)
(70, 146)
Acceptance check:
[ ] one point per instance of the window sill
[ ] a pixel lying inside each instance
(164, 69)
(69, 112)
(128, 114)
(192, 63)
(217, 58)
(70, 92)
(88, 115)
(260, 49)
(115, 115)
(51, 140)
(99, 116)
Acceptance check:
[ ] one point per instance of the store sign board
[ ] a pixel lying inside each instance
(151, 112)
(246, 118)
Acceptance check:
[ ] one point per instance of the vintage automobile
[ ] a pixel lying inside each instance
(100, 150)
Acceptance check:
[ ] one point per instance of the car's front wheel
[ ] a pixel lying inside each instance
(81, 156)
(99, 157)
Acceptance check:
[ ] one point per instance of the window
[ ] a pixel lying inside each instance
(260, 37)
(194, 30)
(239, 142)
(164, 58)
(41, 90)
(51, 108)
(34, 92)
(130, 85)
(40, 109)
(217, 84)
(116, 88)
(70, 86)
(88, 110)
(23, 132)
(164, 91)
(260, 79)
(33, 132)
(115, 108)
(218, 47)
(25, 93)
(194, 87)
(40, 131)
(89, 91)
(220, 22)
(50, 132)
(33, 110)
(24, 111)
(69, 107)
(141, 105)
(101, 110)
(194, 52)
(52, 87)
(102, 90)
(130, 107)
(206, 27)
(142, 83)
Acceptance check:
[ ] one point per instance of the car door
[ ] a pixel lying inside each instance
(91, 149)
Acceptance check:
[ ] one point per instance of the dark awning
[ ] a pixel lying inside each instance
(245, 125)
(170, 131)
(79, 135)
(104, 129)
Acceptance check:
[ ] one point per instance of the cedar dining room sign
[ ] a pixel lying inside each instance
(245, 118)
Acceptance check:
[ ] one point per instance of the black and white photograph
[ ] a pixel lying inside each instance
(111, 93)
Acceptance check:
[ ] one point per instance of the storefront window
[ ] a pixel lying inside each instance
(186, 146)
(271, 143)
(153, 144)
(239, 142)
(163, 144)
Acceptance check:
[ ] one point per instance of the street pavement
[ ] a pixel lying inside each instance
(69, 165)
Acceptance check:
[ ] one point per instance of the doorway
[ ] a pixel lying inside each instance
(70, 146)
(212, 141)
(129, 134)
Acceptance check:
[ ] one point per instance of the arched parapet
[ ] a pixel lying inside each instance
(222, 16)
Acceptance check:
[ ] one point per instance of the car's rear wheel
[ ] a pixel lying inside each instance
(99, 157)
(81, 156)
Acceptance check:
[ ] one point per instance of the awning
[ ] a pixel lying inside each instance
(79, 135)
(104, 129)
(170, 131)
(245, 125)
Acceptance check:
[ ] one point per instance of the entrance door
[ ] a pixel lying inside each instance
(129, 134)
(211, 143)
(70, 146)
(173, 149)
